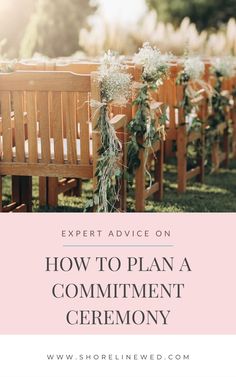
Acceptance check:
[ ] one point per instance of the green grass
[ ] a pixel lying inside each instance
(217, 194)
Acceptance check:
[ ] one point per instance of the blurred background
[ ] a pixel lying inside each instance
(80, 28)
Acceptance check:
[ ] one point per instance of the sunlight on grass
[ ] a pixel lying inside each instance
(217, 194)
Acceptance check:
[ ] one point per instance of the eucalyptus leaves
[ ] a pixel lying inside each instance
(115, 86)
(148, 124)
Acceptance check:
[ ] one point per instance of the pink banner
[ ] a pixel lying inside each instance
(118, 274)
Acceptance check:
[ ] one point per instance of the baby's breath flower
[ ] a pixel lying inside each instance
(224, 66)
(111, 61)
(8, 66)
(155, 65)
(116, 87)
(115, 83)
(194, 67)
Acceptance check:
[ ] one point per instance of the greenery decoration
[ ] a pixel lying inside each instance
(222, 67)
(194, 87)
(115, 89)
(148, 124)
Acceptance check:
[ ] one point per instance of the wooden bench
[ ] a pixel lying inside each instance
(177, 132)
(52, 148)
(51, 187)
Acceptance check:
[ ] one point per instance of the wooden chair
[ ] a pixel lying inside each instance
(51, 148)
(177, 131)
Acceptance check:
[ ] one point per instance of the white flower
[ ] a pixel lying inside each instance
(155, 65)
(115, 82)
(111, 61)
(225, 66)
(194, 67)
(8, 66)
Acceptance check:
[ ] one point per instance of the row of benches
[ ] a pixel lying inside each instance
(47, 129)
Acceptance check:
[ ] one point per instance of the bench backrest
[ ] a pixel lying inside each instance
(49, 104)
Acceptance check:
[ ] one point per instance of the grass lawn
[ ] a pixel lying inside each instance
(217, 194)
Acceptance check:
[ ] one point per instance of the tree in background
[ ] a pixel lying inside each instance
(54, 27)
(14, 17)
(204, 13)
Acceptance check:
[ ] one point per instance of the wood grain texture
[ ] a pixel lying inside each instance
(44, 128)
(19, 125)
(32, 125)
(44, 81)
(7, 136)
